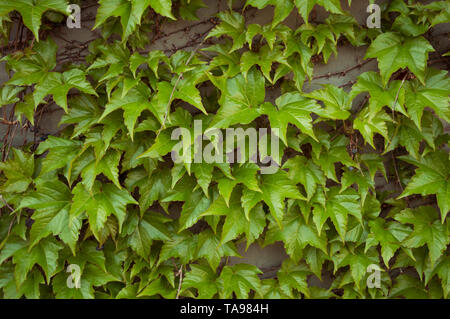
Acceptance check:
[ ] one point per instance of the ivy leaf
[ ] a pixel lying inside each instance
(275, 189)
(163, 7)
(380, 96)
(153, 60)
(304, 171)
(381, 233)
(240, 279)
(305, 6)
(431, 177)
(233, 25)
(182, 245)
(362, 180)
(338, 206)
(292, 276)
(130, 12)
(433, 93)
(282, 8)
(240, 100)
(52, 201)
(358, 263)
(32, 11)
(61, 152)
(59, 84)
(35, 65)
(296, 234)
(334, 153)
(202, 278)
(8, 94)
(410, 136)
(395, 52)
(211, 248)
(132, 104)
(45, 254)
(98, 204)
(368, 123)
(18, 171)
(84, 112)
(265, 57)
(292, 108)
(148, 229)
(427, 230)
(92, 276)
(336, 100)
(236, 222)
(193, 208)
(245, 174)
(407, 286)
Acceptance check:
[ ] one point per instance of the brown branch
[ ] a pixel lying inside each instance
(343, 72)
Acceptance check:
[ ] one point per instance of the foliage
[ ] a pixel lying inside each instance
(104, 193)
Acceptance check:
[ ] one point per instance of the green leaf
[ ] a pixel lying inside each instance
(240, 100)
(427, 230)
(265, 57)
(233, 25)
(337, 102)
(338, 206)
(240, 279)
(35, 65)
(148, 229)
(61, 152)
(432, 177)
(52, 201)
(304, 171)
(395, 52)
(202, 278)
(368, 123)
(275, 189)
(102, 201)
(434, 93)
(293, 277)
(211, 248)
(182, 245)
(334, 153)
(242, 174)
(380, 96)
(236, 222)
(292, 108)
(130, 12)
(296, 234)
(18, 171)
(305, 6)
(381, 233)
(282, 8)
(59, 84)
(132, 104)
(32, 11)
(45, 254)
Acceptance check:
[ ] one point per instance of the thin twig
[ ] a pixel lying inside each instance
(6, 203)
(180, 273)
(343, 72)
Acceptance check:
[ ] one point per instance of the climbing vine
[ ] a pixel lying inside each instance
(103, 194)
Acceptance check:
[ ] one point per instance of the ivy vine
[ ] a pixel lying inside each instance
(103, 193)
